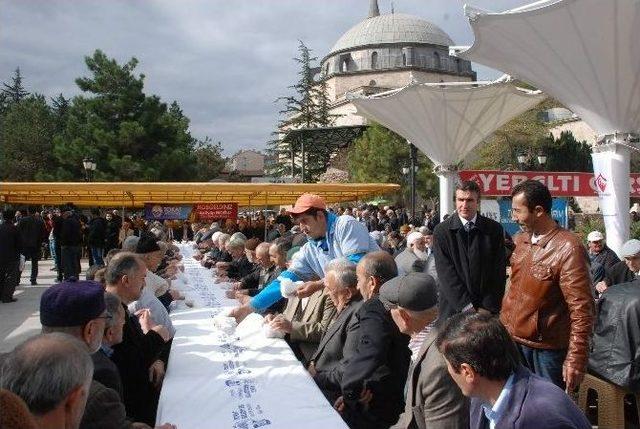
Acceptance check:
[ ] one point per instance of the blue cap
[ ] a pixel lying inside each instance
(71, 303)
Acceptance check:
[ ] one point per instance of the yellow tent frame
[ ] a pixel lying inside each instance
(131, 194)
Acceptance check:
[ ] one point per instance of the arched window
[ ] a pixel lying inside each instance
(345, 66)
(458, 65)
(374, 60)
(404, 59)
(436, 60)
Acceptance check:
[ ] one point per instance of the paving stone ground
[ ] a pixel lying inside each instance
(21, 320)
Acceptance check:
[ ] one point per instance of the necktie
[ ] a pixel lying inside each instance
(468, 226)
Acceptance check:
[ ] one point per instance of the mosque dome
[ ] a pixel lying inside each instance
(394, 28)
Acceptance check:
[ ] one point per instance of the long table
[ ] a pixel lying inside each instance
(240, 381)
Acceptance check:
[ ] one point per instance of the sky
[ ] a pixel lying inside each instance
(224, 62)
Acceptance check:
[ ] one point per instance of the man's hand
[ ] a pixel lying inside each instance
(144, 317)
(239, 313)
(268, 318)
(156, 373)
(167, 426)
(601, 286)
(572, 377)
(236, 285)
(312, 369)
(309, 288)
(242, 298)
(162, 331)
(279, 323)
(230, 294)
(175, 294)
(339, 405)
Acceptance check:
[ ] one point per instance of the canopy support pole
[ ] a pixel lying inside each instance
(611, 164)
(448, 176)
(413, 157)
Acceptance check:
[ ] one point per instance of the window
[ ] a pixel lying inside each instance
(404, 59)
(436, 60)
(374, 60)
(458, 65)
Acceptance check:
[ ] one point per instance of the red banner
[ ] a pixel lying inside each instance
(215, 211)
(561, 184)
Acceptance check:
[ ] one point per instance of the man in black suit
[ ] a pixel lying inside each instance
(9, 257)
(104, 370)
(470, 257)
(32, 234)
(374, 376)
(140, 356)
(337, 344)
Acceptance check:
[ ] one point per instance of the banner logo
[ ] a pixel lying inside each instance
(601, 182)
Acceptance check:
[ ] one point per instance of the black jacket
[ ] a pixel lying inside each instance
(616, 339)
(471, 266)
(380, 363)
(133, 357)
(106, 372)
(239, 268)
(252, 283)
(10, 244)
(97, 232)
(32, 232)
(618, 273)
(71, 231)
(335, 349)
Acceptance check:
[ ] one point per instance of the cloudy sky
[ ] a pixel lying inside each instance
(225, 62)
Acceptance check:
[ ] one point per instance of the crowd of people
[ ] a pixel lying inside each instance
(404, 323)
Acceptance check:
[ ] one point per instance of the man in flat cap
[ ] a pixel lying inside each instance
(624, 271)
(433, 399)
(601, 256)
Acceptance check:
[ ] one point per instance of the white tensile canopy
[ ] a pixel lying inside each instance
(586, 54)
(447, 120)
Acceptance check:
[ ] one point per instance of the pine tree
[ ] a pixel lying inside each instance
(308, 107)
(14, 92)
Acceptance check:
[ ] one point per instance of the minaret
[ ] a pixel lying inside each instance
(373, 9)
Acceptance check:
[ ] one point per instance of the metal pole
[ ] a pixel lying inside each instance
(414, 154)
(304, 155)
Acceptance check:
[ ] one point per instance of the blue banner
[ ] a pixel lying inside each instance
(558, 212)
(166, 212)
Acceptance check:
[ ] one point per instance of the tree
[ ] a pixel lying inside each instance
(525, 131)
(567, 154)
(209, 160)
(132, 136)
(27, 129)
(308, 107)
(14, 92)
(379, 155)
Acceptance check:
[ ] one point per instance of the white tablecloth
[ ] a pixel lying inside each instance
(242, 381)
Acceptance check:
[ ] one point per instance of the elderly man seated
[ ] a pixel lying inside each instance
(433, 399)
(305, 320)
(265, 272)
(625, 270)
(336, 346)
(239, 266)
(142, 355)
(601, 256)
(417, 256)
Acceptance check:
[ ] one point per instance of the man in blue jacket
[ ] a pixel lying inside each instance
(484, 362)
(329, 237)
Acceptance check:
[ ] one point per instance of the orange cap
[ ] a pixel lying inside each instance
(306, 202)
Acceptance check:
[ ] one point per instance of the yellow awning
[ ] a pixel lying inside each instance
(119, 194)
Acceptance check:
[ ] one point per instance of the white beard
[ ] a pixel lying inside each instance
(421, 254)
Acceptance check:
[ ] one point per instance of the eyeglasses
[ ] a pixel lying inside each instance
(107, 316)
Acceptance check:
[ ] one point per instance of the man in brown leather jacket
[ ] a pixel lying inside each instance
(549, 308)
